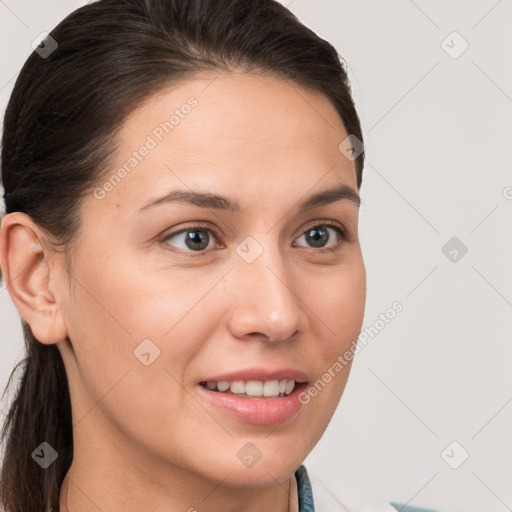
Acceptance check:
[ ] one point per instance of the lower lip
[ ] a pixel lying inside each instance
(264, 411)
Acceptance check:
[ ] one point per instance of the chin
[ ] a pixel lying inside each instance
(261, 477)
(265, 472)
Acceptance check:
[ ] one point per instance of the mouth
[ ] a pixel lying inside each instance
(253, 389)
(258, 402)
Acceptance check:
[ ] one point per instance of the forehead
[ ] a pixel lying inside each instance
(236, 130)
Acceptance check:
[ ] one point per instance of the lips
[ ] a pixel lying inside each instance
(257, 396)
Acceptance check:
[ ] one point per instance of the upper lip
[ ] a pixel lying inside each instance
(261, 374)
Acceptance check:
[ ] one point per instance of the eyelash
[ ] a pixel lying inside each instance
(343, 235)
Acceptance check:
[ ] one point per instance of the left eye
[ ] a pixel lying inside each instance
(319, 235)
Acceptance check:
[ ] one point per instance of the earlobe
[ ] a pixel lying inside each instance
(26, 272)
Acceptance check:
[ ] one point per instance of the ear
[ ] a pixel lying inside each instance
(24, 258)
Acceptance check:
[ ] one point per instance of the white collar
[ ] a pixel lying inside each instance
(346, 498)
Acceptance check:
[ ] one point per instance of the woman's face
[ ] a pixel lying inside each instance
(168, 294)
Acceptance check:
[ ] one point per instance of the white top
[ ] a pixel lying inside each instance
(346, 498)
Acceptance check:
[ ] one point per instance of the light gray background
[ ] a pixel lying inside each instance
(438, 137)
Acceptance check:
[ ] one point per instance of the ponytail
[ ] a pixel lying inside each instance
(40, 412)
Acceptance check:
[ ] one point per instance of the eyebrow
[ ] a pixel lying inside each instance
(207, 200)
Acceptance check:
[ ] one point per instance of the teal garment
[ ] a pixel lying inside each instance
(305, 494)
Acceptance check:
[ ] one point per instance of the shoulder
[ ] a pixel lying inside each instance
(345, 498)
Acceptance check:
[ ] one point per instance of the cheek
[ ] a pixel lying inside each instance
(110, 321)
(115, 313)
(336, 316)
(337, 304)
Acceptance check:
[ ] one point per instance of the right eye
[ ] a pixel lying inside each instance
(194, 239)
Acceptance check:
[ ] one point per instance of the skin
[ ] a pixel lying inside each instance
(144, 438)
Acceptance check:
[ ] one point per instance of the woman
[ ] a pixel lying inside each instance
(181, 186)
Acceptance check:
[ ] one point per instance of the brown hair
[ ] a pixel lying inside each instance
(59, 135)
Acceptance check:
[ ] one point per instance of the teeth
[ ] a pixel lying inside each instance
(271, 388)
(238, 386)
(254, 387)
(222, 385)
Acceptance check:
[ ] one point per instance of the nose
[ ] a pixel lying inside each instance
(265, 301)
